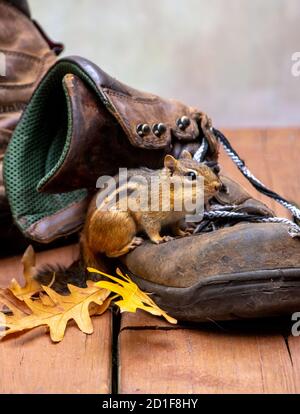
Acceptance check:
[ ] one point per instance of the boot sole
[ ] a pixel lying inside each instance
(257, 294)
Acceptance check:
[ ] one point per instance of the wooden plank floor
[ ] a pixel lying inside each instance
(229, 357)
(32, 364)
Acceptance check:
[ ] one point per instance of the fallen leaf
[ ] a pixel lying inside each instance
(132, 297)
(57, 314)
(31, 285)
(13, 304)
(34, 305)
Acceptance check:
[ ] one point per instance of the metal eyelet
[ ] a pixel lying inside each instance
(143, 130)
(159, 129)
(183, 123)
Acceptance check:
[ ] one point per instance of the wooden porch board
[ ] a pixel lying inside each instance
(273, 156)
(32, 364)
(195, 361)
(294, 350)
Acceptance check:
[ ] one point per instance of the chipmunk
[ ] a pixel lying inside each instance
(114, 232)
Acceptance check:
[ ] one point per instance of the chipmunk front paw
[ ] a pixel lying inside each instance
(136, 241)
(180, 231)
(160, 240)
(164, 239)
(185, 233)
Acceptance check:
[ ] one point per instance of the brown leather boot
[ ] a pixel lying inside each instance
(25, 55)
(228, 270)
(81, 124)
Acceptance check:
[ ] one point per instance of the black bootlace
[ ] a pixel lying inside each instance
(225, 213)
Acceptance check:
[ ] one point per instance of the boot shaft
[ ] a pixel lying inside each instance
(25, 55)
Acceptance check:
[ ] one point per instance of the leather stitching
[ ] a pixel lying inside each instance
(147, 101)
(39, 68)
(16, 107)
(22, 55)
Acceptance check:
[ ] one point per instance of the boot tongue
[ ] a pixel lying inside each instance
(236, 195)
(74, 160)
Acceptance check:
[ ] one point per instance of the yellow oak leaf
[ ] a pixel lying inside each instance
(12, 304)
(132, 297)
(31, 285)
(60, 311)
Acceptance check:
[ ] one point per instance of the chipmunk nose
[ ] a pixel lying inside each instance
(218, 186)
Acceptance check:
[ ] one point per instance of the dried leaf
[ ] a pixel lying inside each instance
(12, 303)
(57, 314)
(31, 285)
(29, 310)
(132, 297)
(46, 300)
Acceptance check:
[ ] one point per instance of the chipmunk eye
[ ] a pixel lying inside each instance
(192, 175)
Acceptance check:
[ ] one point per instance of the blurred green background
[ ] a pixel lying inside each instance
(230, 58)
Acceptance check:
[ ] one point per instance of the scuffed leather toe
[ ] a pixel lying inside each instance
(245, 271)
(237, 195)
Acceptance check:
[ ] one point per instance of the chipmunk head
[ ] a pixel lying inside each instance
(191, 169)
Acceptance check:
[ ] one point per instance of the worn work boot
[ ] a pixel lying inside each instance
(245, 270)
(81, 124)
(25, 55)
(242, 261)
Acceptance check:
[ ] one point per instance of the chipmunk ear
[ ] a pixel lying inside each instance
(170, 163)
(186, 155)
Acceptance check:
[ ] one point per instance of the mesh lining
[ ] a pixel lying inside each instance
(38, 148)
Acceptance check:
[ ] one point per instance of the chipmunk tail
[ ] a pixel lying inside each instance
(59, 277)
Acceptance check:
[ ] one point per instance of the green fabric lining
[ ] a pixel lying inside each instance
(38, 148)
